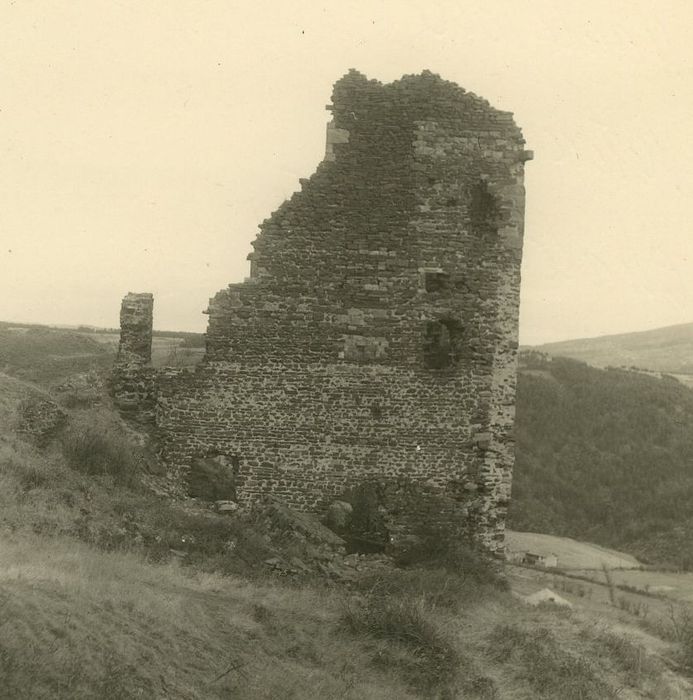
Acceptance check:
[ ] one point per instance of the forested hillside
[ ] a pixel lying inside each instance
(605, 456)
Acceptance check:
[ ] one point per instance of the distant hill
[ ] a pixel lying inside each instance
(604, 456)
(49, 354)
(668, 349)
(194, 338)
(43, 355)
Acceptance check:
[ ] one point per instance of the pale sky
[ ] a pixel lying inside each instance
(143, 141)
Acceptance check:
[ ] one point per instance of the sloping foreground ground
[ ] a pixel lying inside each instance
(77, 623)
(87, 612)
(571, 553)
(12, 393)
(638, 626)
(82, 624)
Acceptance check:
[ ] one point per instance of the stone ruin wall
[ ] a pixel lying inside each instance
(133, 383)
(377, 334)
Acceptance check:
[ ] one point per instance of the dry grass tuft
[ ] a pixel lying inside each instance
(78, 623)
(431, 661)
(538, 658)
(93, 445)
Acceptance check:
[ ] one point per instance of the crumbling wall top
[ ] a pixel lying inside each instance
(416, 97)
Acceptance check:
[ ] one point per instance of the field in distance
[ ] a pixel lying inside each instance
(667, 349)
(47, 355)
(571, 553)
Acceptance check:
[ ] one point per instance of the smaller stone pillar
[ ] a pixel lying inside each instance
(133, 382)
(136, 318)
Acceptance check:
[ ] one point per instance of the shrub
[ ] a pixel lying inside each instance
(210, 542)
(462, 558)
(538, 659)
(560, 583)
(432, 660)
(439, 588)
(78, 398)
(95, 446)
(678, 628)
(31, 474)
(436, 587)
(630, 656)
(634, 607)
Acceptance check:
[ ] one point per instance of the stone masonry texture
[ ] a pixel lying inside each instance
(376, 337)
(133, 381)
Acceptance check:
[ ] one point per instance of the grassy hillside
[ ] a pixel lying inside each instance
(45, 355)
(13, 392)
(78, 623)
(97, 605)
(668, 349)
(605, 456)
(109, 590)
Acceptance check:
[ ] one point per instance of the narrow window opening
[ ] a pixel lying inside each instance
(436, 281)
(441, 343)
(483, 209)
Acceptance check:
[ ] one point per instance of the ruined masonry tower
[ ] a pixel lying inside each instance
(376, 337)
